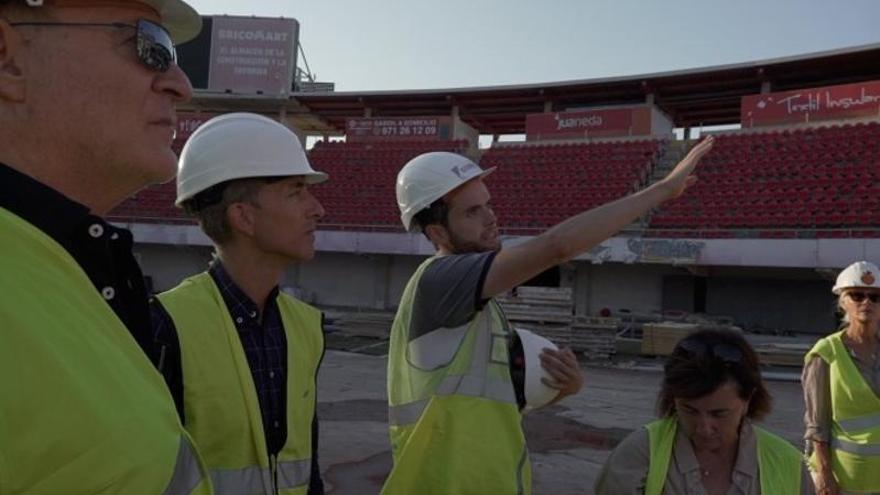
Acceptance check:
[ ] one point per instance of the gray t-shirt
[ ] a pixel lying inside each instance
(449, 292)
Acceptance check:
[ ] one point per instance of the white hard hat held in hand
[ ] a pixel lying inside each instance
(861, 274)
(537, 394)
(240, 146)
(430, 176)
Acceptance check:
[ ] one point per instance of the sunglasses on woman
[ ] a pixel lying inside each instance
(858, 297)
(154, 46)
(725, 352)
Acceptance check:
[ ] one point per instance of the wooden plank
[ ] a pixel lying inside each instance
(659, 339)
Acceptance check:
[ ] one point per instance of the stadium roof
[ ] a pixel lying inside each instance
(693, 97)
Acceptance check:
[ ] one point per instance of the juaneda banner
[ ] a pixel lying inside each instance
(588, 123)
(400, 128)
(806, 105)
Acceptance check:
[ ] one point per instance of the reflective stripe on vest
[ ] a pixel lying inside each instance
(232, 437)
(291, 474)
(489, 387)
(475, 383)
(187, 472)
(853, 425)
(860, 449)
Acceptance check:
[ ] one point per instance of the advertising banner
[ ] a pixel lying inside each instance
(808, 105)
(253, 55)
(400, 128)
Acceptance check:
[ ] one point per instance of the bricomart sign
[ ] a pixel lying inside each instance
(244, 55)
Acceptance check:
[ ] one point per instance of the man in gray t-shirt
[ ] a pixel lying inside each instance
(454, 380)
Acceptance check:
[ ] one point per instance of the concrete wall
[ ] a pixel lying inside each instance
(637, 287)
(790, 253)
(803, 306)
(373, 281)
(787, 299)
(354, 280)
(167, 265)
(402, 268)
(661, 124)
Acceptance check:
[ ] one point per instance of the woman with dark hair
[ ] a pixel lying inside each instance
(842, 390)
(705, 442)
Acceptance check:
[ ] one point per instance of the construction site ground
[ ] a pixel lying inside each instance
(568, 441)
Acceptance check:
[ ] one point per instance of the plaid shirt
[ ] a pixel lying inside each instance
(265, 345)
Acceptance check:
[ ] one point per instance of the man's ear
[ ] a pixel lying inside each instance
(12, 79)
(437, 234)
(240, 217)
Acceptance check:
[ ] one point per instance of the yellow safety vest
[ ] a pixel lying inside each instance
(82, 410)
(779, 463)
(220, 401)
(455, 428)
(855, 419)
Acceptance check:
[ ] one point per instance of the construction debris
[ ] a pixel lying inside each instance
(550, 312)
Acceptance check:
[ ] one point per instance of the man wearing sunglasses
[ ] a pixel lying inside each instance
(87, 96)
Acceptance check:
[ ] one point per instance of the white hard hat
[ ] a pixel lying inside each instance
(239, 146)
(861, 274)
(537, 393)
(430, 176)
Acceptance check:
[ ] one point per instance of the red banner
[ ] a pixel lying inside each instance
(400, 128)
(806, 105)
(187, 123)
(608, 122)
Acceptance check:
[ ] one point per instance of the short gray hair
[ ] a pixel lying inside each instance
(212, 217)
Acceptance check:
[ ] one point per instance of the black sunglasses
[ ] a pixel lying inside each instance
(858, 297)
(154, 46)
(725, 352)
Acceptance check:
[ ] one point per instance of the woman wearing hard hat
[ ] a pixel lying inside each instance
(705, 441)
(841, 388)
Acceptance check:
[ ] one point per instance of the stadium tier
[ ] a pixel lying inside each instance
(799, 182)
(154, 204)
(804, 182)
(360, 195)
(536, 186)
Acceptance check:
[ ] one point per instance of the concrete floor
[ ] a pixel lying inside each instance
(568, 442)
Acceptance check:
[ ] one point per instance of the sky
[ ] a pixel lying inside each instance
(397, 44)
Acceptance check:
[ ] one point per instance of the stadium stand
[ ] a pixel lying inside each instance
(154, 204)
(536, 186)
(360, 195)
(786, 183)
(799, 182)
